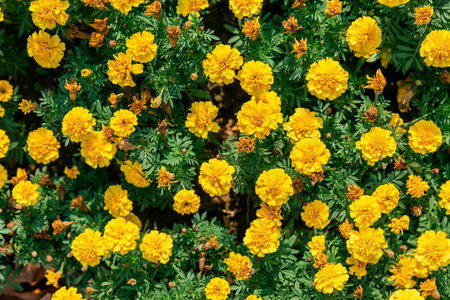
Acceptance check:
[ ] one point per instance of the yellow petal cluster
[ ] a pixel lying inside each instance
(334, 7)
(317, 245)
(271, 213)
(186, 202)
(217, 289)
(436, 49)
(141, 47)
(96, 150)
(157, 247)
(393, 3)
(71, 173)
(358, 268)
(327, 79)
(123, 123)
(417, 187)
(25, 193)
(398, 225)
(364, 36)
(46, 13)
(187, 7)
(77, 123)
(125, 6)
(303, 124)
(89, 247)
(4, 143)
(397, 121)
(423, 14)
(3, 176)
(409, 294)
(220, 64)
(263, 237)
(200, 119)
(239, 265)
(43, 146)
(67, 294)
(367, 245)
(52, 278)
(120, 69)
(331, 277)
(424, 137)
(316, 214)
(215, 177)
(245, 8)
(365, 211)
(46, 50)
(6, 91)
(259, 118)
(120, 235)
(309, 155)
(376, 144)
(387, 197)
(274, 187)
(117, 202)
(403, 272)
(255, 77)
(433, 250)
(134, 174)
(444, 194)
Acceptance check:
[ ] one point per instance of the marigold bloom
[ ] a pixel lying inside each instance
(433, 250)
(123, 123)
(259, 118)
(46, 50)
(120, 69)
(274, 187)
(334, 7)
(290, 25)
(71, 173)
(215, 177)
(245, 8)
(43, 146)
(375, 144)
(364, 36)
(52, 278)
(398, 225)
(403, 272)
(96, 150)
(256, 77)
(97, 40)
(406, 294)
(26, 106)
(358, 293)
(309, 155)
(200, 119)
(117, 202)
(327, 79)
(253, 297)
(376, 83)
(2, 17)
(263, 237)
(25, 193)
(86, 73)
(157, 247)
(89, 247)
(417, 187)
(165, 178)
(387, 197)
(331, 277)
(220, 64)
(245, 144)
(300, 47)
(397, 121)
(3, 176)
(316, 214)
(67, 294)
(423, 14)
(217, 289)
(133, 219)
(435, 48)
(154, 9)
(365, 211)
(251, 28)
(428, 287)
(6, 91)
(444, 194)
(358, 268)
(134, 174)
(317, 245)
(187, 7)
(425, 137)
(354, 192)
(303, 124)
(77, 123)
(46, 13)
(367, 245)
(121, 235)
(393, 3)
(239, 265)
(2, 111)
(125, 5)
(271, 213)
(4, 143)
(345, 229)
(141, 47)
(186, 202)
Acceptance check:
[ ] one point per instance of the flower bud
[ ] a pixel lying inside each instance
(328, 135)
(184, 151)
(309, 259)
(34, 254)
(132, 281)
(187, 25)
(49, 258)
(313, 284)
(194, 76)
(172, 284)
(389, 253)
(89, 290)
(84, 268)
(112, 43)
(218, 156)
(403, 248)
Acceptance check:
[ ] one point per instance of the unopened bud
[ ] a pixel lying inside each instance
(436, 295)
(34, 254)
(201, 28)
(313, 284)
(172, 284)
(132, 281)
(328, 135)
(187, 25)
(304, 203)
(309, 259)
(49, 258)
(125, 265)
(194, 76)
(84, 268)
(435, 170)
(183, 230)
(70, 254)
(89, 290)
(389, 253)
(184, 151)
(203, 239)
(329, 111)
(218, 156)
(403, 248)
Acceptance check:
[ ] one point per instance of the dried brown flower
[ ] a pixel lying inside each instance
(59, 226)
(173, 34)
(78, 203)
(251, 28)
(299, 3)
(245, 144)
(416, 210)
(298, 185)
(358, 292)
(399, 164)
(320, 260)
(354, 192)
(74, 32)
(444, 76)
(73, 88)
(423, 14)
(101, 26)
(300, 47)
(154, 9)
(371, 114)
(291, 25)
(97, 40)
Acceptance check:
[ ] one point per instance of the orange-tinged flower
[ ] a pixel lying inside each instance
(334, 7)
(345, 229)
(424, 137)
(436, 49)
(331, 277)
(364, 36)
(165, 178)
(239, 265)
(255, 77)
(46, 13)
(6, 91)
(134, 174)
(428, 287)
(88, 248)
(316, 214)
(46, 50)
(251, 28)
(52, 278)
(396, 121)
(300, 47)
(215, 177)
(245, 8)
(157, 247)
(200, 119)
(71, 173)
(376, 83)
(120, 69)
(417, 187)
(327, 79)
(274, 187)
(403, 272)
(77, 123)
(423, 14)
(309, 155)
(221, 63)
(263, 237)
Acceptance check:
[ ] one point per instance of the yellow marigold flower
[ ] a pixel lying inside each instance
(67, 294)
(375, 144)
(25, 193)
(200, 119)
(259, 118)
(239, 265)
(274, 187)
(327, 79)
(187, 7)
(256, 77)
(364, 36)
(186, 202)
(406, 294)
(217, 289)
(376, 83)
(271, 213)
(157, 247)
(435, 48)
(387, 197)
(253, 297)
(134, 174)
(220, 64)
(397, 121)
(117, 202)
(134, 219)
(123, 123)
(367, 245)
(96, 150)
(444, 194)
(316, 214)
(120, 69)
(269, 98)
(165, 178)
(43, 146)
(2, 112)
(77, 123)
(46, 13)
(46, 50)
(403, 272)
(3, 176)
(393, 3)
(428, 287)
(425, 137)
(71, 173)
(251, 28)
(120, 235)
(345, 229)
(365, 211)
(141, 47)
(358, 268)
(125, 5)
(263, 237)
(303, 124)
(423, 14)
(215, 177)
(26, 106)
(331, 277)
(2, 17)
(89, 247)
(334, 7)
(4, 143)
(433, 250)
(398, 225)
(86, 73)
(309, 155)
(245, 8)
(52, 278)
(317, 245)
(421, 271)
(417, 187)
(300, 47)
(6, 91)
